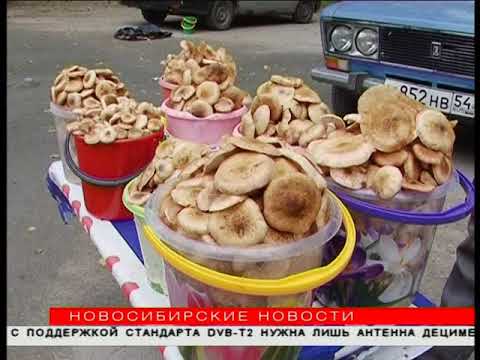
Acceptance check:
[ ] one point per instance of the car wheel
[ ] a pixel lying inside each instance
(220, 16)
(154, 17)
(304, 12)
(343, 101)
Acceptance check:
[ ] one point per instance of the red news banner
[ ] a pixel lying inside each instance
(261, 316)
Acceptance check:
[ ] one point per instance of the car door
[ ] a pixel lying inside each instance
(265, 7)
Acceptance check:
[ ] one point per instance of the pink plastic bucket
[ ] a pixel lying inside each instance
(167, 88)
(207, 130)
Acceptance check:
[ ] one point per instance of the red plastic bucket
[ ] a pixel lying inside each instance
(105, 169)
(167, 88)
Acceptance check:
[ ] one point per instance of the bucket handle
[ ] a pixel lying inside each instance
(92, 179)
(448, 216)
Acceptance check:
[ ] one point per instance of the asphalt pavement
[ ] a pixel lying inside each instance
(52, 264)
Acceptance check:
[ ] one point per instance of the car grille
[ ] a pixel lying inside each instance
(413, 48)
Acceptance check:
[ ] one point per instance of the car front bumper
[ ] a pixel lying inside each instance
(354, 81)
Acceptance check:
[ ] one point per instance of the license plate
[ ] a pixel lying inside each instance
(450, 102)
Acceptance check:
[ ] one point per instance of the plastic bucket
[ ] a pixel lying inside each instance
(207, 130)
(190, 20)
(394, 240)
(188, 24)
(153, 263)
(204, 275)
(62, 117)
(105, 169)
(167, 88)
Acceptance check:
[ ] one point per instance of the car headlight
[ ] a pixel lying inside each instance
(341, 38)
(367, 42)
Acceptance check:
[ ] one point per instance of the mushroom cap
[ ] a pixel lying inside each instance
(192, 168)
(193, 221)
(235, 94)
(275, 237)
(139, 197)
(261, 118)
(208, 91)
(183, 92)
(168, 211)
(316, 111)
(215, 158)
(146, 175)
(426, 155)
(187, 77)
(396, 158)
(442, 171)
(224, 105)
(243, 173)
(163, 169)
(174, 76)
(315, 132)
(387, 182)
(371, 171)
(286, 80)
(323, 215)
(304, 163)
(352, 177)
(295, 129)
(388, 126)
(411, 168)
(342, 151)
(199, 181)
(387, 95)
(176, 105)
(326, 119)
(269, 139)
(273, 103)
(265, 88)
(307, 95)
(209, 199)
(253, 145)
(186, 196)
(247, 125)
(435, 131)
(291, 203)
(352, 118)
(427, 178)
(241, 225)
(417, 186)
(283, 167)
(200, 108)
(283, 93)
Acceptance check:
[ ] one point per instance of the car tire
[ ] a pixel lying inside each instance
(154, 17)
(343, 101)
(304, 12)
(220, 16)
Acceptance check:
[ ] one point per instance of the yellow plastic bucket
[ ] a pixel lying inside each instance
(194, 281)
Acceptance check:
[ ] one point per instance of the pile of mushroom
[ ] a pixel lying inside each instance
(174, 159)
(248, 194)
(286, 108)
(77, 87)
(115, 118)
(205, 79)
(394, 143)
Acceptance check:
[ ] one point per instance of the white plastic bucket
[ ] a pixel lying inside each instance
(62, 117)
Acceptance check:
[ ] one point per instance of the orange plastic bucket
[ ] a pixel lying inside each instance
(105, 169)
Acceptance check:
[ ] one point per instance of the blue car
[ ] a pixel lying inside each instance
(426, 49)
